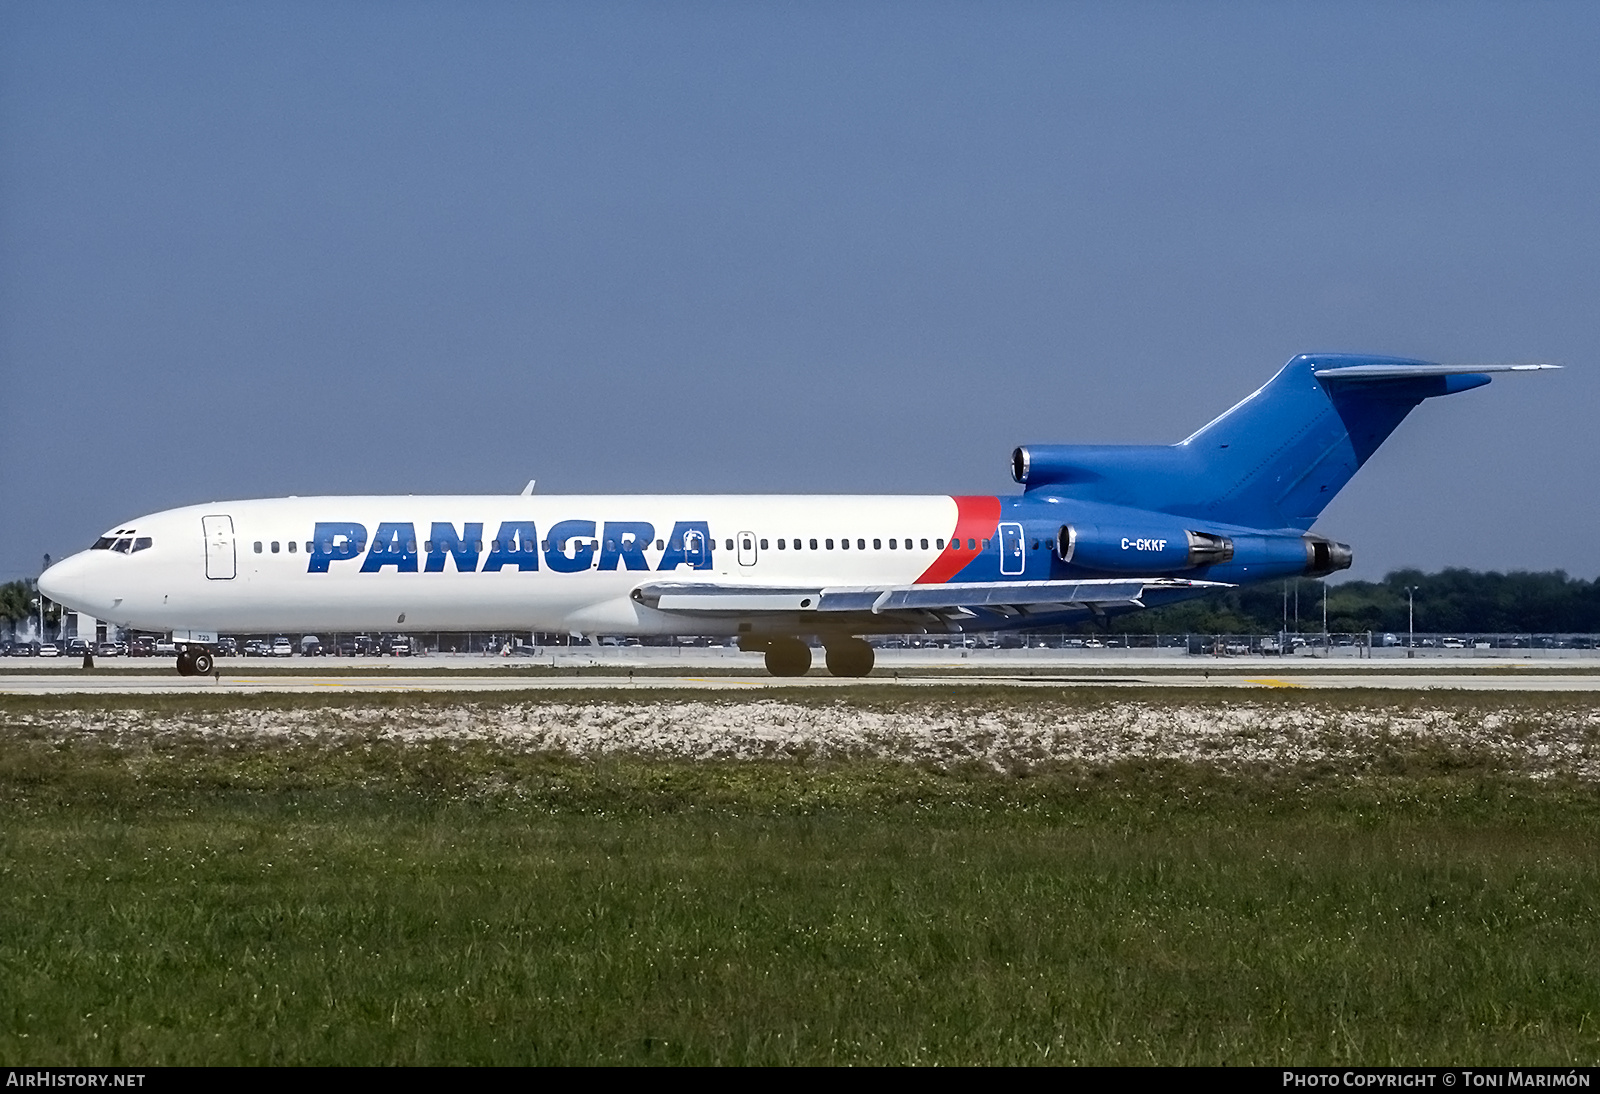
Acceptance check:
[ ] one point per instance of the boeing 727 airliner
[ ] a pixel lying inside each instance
(1098, 530)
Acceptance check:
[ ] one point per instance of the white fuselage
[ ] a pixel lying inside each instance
(496, 562)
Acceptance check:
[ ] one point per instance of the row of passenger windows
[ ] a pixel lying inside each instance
(292, 546)
(783, 545)
(861, 544)
(410, 546)
(877, 545)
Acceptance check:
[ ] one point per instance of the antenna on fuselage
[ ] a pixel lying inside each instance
(526, 490)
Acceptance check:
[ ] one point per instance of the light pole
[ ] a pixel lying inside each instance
(1283, 635)
(1411, 621)
(41, 599)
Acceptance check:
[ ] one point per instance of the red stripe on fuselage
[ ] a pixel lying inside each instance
(976, 519)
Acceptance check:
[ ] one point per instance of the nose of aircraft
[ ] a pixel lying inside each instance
(67, 582)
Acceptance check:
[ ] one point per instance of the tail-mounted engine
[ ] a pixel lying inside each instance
(1147, 548)
(1157, 547)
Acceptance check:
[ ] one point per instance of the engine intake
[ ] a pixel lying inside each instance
(1020, 461)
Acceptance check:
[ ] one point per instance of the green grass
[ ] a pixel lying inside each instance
(178, 901)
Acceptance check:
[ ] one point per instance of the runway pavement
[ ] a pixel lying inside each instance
(1501, 678)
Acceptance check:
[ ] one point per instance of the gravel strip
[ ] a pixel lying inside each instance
(1564, 740)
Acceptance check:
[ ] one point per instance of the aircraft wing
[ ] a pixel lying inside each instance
(970, 598)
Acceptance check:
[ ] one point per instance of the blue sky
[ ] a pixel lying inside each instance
(264, 249)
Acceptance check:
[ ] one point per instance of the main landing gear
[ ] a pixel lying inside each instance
(194, 661)
(845, 657)
(788, 657)
(849, 657)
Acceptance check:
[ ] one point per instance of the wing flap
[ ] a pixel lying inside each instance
(880, 599)
(980, 595)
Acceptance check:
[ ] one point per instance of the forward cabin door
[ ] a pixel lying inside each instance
(221, 564)
(747, 548)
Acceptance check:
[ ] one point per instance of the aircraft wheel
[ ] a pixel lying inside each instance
(849, 657)
(200, 663)
(186, 663)
(788, 657)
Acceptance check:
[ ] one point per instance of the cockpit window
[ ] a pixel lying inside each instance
(122, 541)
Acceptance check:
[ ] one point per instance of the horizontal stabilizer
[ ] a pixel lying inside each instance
(1411, 371)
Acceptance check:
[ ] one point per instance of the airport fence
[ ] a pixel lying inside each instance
(1361, 644)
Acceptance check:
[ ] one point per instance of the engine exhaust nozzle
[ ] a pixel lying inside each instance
(1324, 556)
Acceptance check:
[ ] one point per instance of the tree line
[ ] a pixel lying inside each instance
(1451, 601)
(16, 601)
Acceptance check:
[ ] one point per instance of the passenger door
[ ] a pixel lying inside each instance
(221, 564)
(747, 548)
(694, 549)
(1012, 559)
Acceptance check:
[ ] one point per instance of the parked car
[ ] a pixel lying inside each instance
(78, 647)
(282, 647)
(143, 645)
(49, 649)
(107, 649)
(227, 647)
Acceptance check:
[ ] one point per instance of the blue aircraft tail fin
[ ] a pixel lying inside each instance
(1273, 461)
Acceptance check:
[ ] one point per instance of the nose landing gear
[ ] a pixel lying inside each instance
(194, 661)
